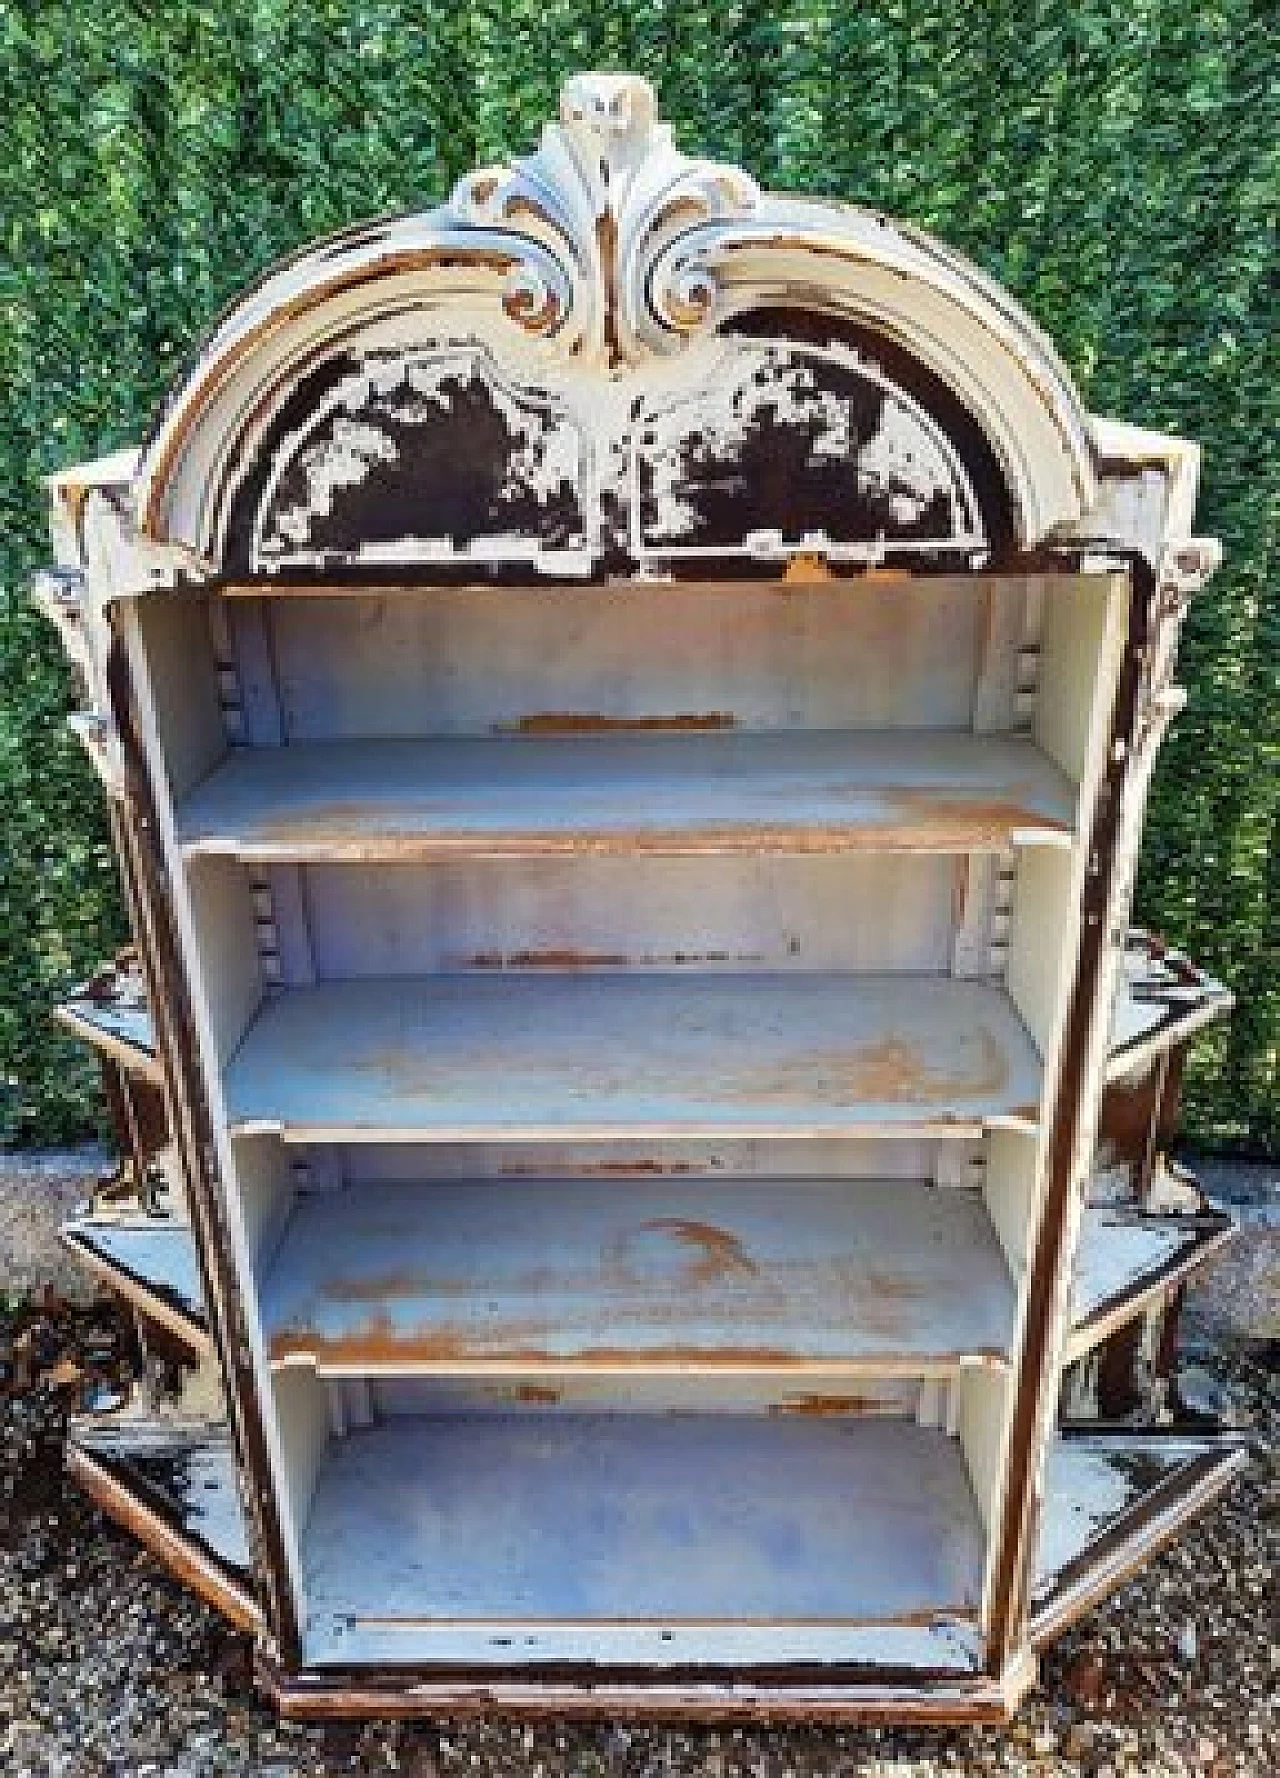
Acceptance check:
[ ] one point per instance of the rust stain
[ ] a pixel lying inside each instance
(549, 959)
(820, 1405)
(938, 804)
(565, 958)
(714, 1252)
(894, 1071)
(891, 1070)
(659, 1290)
(806, 567)
(537, 1394)
(576, 722)
(387, 1287)
(379, 1342)
(648, 1166)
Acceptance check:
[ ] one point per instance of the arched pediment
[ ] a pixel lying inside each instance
(611, 352)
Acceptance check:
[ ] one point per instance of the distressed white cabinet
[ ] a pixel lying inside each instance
(627, 703)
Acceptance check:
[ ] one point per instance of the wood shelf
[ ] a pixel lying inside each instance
(116, 1020)
(564, 1276)
(632, 792)
(671, 1537)
(468, 1057)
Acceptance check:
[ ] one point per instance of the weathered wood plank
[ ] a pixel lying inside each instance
(637, 792)
(635, 1274)
(470, 1057)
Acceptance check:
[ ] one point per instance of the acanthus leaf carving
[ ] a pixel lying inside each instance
(606, 194)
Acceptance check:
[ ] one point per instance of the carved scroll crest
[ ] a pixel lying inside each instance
(607, 194)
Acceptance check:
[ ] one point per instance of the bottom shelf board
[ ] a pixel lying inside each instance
(642, 1537)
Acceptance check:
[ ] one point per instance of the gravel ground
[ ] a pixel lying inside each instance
(37, 1192)
(106, 1667)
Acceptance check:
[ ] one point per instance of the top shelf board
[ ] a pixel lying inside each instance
(632, 792)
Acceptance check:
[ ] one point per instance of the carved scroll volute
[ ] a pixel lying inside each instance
(607, 193)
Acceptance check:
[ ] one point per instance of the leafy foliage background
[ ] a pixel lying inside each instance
(1118, 166)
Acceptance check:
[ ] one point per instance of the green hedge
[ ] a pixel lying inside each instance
(1116, 165)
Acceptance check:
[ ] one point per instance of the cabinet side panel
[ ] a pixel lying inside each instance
(216, 980)
(184, 687)
(1083, 634)
(302, 1422)
(225, 940)
(1042, 940)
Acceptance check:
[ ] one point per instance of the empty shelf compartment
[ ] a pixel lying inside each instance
(663, 1537)
(560, 1276)
(696, 793)
(465, 1058)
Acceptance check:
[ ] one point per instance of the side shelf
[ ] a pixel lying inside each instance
(151, 1262)
(1111, 1501)
(110, 1012)
(1163, 999)
(175, 1489)
(1127, 1259)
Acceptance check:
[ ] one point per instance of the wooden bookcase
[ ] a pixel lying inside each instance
(631, 818)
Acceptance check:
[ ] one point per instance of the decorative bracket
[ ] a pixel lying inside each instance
(60, 593)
